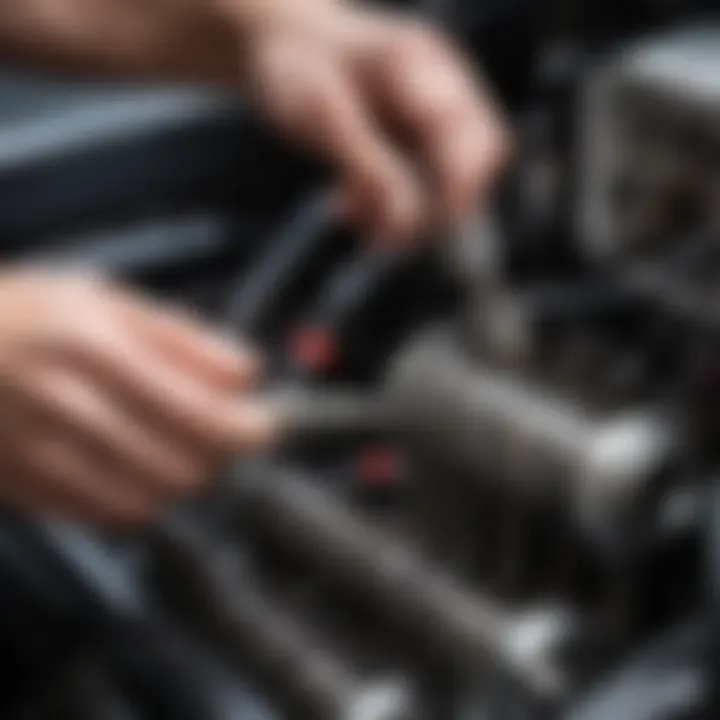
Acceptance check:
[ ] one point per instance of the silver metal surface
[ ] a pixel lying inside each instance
(674, 77)
(517, 433)
(308, 414)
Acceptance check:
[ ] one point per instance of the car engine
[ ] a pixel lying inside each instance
(495, 497)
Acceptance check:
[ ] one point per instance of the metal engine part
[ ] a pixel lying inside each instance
(649, 128)
(212, 584)
(436, 611)
(416, 545)
(306, 415)
(607, 469)
(508, 430)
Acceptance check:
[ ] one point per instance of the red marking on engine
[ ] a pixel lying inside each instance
(380, 466)
(315, 349)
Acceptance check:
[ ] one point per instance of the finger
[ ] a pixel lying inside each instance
(466, 163)
(61, 479)
(315, 102)
(165, 467)
(180, 405)
(219, 360)
(453, 122)
(382, 193)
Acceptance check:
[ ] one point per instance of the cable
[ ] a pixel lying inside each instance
(315, 345)
(299, 245)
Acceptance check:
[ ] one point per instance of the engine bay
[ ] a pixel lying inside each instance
(497, 495)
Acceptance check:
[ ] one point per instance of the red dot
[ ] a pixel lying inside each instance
(380, 466)
(315, 349)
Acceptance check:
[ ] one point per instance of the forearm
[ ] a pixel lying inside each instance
(153, 39)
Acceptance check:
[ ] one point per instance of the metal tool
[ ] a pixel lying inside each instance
(451, 622)
(218, 589)
(306, 415)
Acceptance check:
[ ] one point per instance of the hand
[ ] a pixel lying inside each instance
(385, 98)
(111, 406)
(389, 102)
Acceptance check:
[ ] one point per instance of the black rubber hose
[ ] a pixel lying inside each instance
(299, 245)
(343, 298)
(352, 286)
(347, 294)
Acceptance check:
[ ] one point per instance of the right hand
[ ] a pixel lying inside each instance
(388, 100)
(112, 406)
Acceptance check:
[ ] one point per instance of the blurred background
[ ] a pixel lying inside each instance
(515, 517)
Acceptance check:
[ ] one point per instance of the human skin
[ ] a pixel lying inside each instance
(112, 406)
(385, 98)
